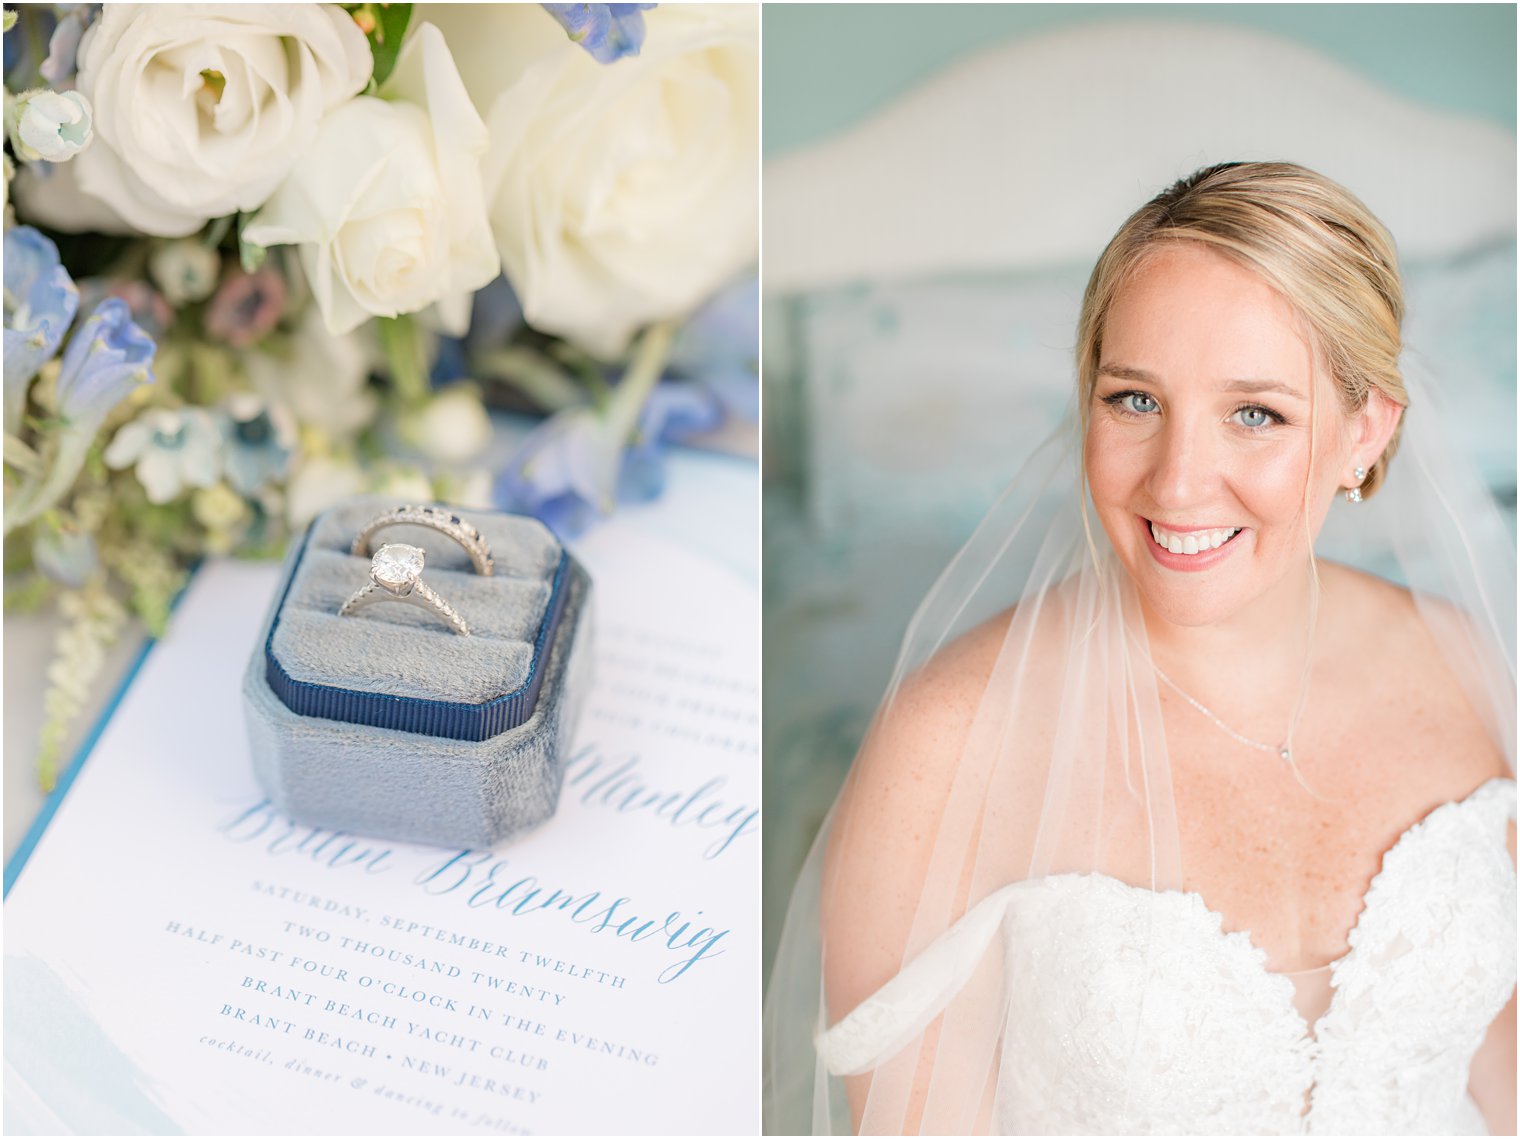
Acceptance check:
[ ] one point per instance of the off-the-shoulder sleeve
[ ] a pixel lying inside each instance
(885, 1022)
(1498, 795)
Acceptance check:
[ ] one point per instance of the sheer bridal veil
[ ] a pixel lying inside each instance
(1062, 768)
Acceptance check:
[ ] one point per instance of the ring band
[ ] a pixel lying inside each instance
(395, 574)
(434, 518)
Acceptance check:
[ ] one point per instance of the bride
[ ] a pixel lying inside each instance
(1167, 824)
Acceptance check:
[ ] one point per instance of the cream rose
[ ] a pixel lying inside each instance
(48, 194)
(200, 110)
(619, 193)
(388, 205)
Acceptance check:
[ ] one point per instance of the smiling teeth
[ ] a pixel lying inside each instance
(1194, 543)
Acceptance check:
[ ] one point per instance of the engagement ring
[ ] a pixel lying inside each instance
(434, 518)
(395, 574)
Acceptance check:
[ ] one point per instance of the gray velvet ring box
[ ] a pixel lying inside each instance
(388, 723)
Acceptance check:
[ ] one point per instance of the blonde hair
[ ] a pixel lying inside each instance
(1306, 236)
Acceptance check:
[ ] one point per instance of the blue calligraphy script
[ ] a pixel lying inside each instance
(480, 880)
(483, 881)
(282, 835)
(601, 781)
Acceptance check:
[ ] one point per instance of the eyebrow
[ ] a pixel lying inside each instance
(1140, 375)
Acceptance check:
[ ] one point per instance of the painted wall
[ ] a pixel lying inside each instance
(827, 66)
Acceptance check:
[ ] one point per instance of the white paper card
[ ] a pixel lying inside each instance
(179, 958)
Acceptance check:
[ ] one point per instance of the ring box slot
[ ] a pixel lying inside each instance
(389, 723)
(401, 650)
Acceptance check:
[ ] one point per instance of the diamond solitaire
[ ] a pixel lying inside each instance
(395, 574)
(397, 567)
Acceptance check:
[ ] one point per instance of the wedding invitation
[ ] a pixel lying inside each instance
(180, 957)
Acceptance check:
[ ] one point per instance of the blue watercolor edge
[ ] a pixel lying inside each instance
(17, 861)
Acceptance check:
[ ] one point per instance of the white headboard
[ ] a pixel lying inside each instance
(1032, 152)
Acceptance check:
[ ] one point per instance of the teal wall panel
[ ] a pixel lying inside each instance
(827, 66)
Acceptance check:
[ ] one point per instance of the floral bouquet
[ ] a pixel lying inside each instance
(259, 258)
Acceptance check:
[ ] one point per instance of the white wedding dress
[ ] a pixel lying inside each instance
(1099, 1038)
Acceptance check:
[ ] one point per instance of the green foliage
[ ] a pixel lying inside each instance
(29, 595)
(218, 229)
(93, 622)
(406, 352)
(153, 578)
(538, 377)
(250, 256)
(384, 25)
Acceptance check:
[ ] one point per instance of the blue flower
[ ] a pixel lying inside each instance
(607, 31)
(563, 474)
(40, 303)
(719, 347)
(713, 372)
(171, 450)
(451, 361)
(675, 411)
(495, 315)
(63, 45)
(106, 358)
(260, 442)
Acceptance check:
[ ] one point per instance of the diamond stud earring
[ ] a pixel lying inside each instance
(1354, 494)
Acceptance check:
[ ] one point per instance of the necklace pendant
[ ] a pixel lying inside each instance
(1286, 754)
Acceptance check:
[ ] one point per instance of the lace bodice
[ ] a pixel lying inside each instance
(1197, 1036)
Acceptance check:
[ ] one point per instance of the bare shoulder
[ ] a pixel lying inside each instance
(907, 763)
(1386, 614)
(915, 745)
(1390, 653)
(930, 716)
(891, 812)
(1395, 638)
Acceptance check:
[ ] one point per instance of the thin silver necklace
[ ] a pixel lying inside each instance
(1284, 750)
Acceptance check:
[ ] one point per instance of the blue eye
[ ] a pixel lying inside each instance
(1256, 417)
(1140, 405)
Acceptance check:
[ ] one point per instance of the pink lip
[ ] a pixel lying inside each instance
(1185, 563)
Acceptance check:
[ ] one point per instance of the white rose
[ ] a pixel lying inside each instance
(388, 206)
(622, 193)
(200, 110)
(48, 194)
(50, 125)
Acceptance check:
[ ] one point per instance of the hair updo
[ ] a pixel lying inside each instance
(1306, 236)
